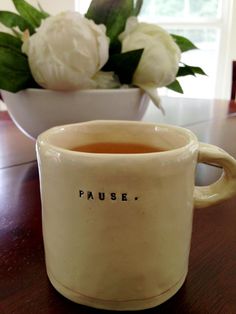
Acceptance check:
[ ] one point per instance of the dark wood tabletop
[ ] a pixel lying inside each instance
(210, 287)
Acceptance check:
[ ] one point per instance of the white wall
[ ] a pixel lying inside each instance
(49, 6)
(55, 6)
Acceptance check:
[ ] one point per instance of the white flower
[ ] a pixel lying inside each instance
(67, 51)
(106, 80)
(159, 63)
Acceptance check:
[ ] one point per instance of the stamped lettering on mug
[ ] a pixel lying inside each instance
(102, 196)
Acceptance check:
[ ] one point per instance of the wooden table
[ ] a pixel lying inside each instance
(210, 287)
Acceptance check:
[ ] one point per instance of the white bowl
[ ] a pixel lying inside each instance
(36, 110)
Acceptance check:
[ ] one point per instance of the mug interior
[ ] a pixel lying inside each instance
(166, 137)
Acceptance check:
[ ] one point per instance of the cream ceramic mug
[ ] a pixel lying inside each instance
(117, 226)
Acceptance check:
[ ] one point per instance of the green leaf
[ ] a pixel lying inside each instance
(183, 71)
(124, 64)
(15, 74)
(189, 70)
(10, 41)
(175, 86)
(137, 7)
(29, 13)
(113, 14)
(183, 43)
(11, 20)
(196, 70)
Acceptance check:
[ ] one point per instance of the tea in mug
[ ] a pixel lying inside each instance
(117, 148)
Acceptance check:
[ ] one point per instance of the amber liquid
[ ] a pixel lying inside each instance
(117, 148)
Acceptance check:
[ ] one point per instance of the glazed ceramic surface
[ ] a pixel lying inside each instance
(117, 227)
(36, 110)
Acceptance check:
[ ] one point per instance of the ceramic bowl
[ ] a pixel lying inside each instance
(36, 110)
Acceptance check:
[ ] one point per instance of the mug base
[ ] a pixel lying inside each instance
(126, 305)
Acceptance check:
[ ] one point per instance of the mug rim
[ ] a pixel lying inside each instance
(43, 138)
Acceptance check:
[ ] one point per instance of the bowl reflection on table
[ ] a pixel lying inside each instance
(36, 110)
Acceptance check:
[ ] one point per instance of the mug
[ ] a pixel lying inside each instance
(117, 224)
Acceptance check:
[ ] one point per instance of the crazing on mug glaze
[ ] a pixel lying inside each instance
(117, 227)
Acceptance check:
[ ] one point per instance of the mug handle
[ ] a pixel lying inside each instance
(223, 188)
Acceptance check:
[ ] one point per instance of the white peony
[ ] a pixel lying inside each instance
(159, 63)
(106, 80)
(67, 51)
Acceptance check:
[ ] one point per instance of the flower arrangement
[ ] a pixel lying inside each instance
(106, 48)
